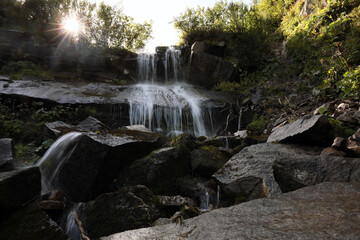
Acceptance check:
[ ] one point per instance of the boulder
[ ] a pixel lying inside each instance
(206, 70)
(249, 175)
(31, 223)
(175, 201)
(158, 171)
(84, 165)
(54, 130)
(185, 140)
(206, 160)
(91, 124)
(324, 211)
(18, 187)
(330, 151)
(118, 211)
(6, 154)
(308, 130)
(353, 143)
(294, 173)
(140, 128)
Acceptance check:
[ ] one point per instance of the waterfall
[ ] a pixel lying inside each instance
(52, 160)
(172, 108)
(204, 205)
(162, 108)
(239, 120)
(218, 197)
(71, 227)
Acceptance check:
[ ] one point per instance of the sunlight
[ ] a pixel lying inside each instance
(71, 25)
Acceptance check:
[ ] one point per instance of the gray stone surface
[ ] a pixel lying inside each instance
(294, 173)
(308, 130)
(249, 173)
(55, 129)
(353, 143)
(6, 154)
(91, 124)
(324, 211)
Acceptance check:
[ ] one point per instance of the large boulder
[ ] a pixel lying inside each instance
(54, 130)
(324, 211)
(31, 223)
(18, 187)
(158, 171)
(84, 165)
(128, 208)
(6, 154)
(249, 175)
(294, 173)
(206, 160)
(91, 124)
(308, 130)
(206, 70)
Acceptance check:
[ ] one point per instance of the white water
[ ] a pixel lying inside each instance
(71, 228)
(172, 108)
(204, 204)
(52, 160)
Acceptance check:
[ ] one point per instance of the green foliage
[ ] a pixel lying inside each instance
(26, 153)
(227, 87)
(258, 125)
(341, 129)
(20, 69)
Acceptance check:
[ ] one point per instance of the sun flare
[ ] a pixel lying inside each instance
(71, 25)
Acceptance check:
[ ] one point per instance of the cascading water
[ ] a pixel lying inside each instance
(172, 108)
(52, 160)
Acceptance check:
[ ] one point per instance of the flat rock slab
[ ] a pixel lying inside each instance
(292, 174)
(249, 173)
(324, 211)
(308, 130)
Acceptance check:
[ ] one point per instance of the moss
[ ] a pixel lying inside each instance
(258, 125)
(341, 129)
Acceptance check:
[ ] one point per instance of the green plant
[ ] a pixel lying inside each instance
(20, 69)
(258, 125)
(341, 129)
(227, 87)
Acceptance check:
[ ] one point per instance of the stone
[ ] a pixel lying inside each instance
(198, 47)
(140, 128)
(206, 160)
(89, 163)
(241, 134)
(294, 173)
(31, 223)
(6, 155)
(353, 143)
(158, 171)
(324, 211)
(249, 174)
(175, 201)
(118, 211)
(54, 130)
(330, 151)
(186, 140)
(308, 130)
(91, 124)
(339, 143)
(18, 187)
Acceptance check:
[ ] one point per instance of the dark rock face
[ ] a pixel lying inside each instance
(31, 223)
(6, 154)
(249, 175)
(91, 163)
(158, 171)
(129, 208)
(18, 187)
(294, 173)
(324, 211)
(206, 70)
(206, 160)
(309, 130)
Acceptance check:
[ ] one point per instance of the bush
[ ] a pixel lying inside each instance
(258, 125)
(20, 69)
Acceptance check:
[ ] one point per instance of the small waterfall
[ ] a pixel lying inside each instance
(72, 228)
(218, 197)
(204, 205)
(172, 58)
(146, 67)
(158, 107)
(239, 120)
(52, 160)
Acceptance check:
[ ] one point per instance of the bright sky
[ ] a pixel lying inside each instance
(162, 13)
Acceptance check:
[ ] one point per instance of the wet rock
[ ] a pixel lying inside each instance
(18, 187)
(294, 173)
(175, 201)
(54, 130)
(158, 171)
(308, 130)
(89, 165)
(6, 154)
(217, 142)
(31, 223)
(353, 143)
(331, 211)
(140, 128)
(91, 124)
(330, 151)
(198, 47)
(118, 211)
(241, 134)
(54, 202)
(206, 160)
(249, 175)
(186, 140)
